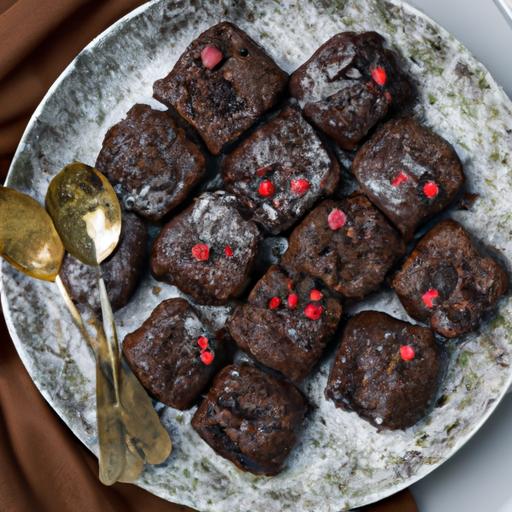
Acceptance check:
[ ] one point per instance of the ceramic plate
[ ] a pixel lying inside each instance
(341, 461)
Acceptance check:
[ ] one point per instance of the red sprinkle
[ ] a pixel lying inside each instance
(207, 357)
(431, 189)
(400, 178)
(299, 186)
(336, 219)
(261, 171)
(211, 56)
(379, 75)
(266, 188)
(228, 251)
(290, 284)
(201, 252)
(313, 311)
(407, 352)
(388, 97)
(293, 300)
(315, 295)
(274, 303)
(429, 296)
(202, 341)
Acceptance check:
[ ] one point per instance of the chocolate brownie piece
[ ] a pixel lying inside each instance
(348, 244)
(174, 354)
(286, 323)
(281, 171)
(349, 84)
(121, 271)
(447, 281)
(408, 172)
(207, 250)
(150, 162)
(222, 84)
(386, 370)
(251, 418)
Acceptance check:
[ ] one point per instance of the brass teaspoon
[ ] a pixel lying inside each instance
(87, 216)
(29, 241)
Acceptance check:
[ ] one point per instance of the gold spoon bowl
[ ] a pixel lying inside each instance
(86, 212)
(28, 239)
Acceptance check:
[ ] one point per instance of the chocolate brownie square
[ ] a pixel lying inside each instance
(208, 250)
(286, 323)
(251, 418)
(408, 172)
(348, 244)
(222, 84)
(150, 162)
(121, 271)
(386, 370)
(281, 171)
(174, 354)
(447, 282)
(350, 84)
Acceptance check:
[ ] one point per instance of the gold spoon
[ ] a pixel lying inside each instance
(87, 216)
(29, 241)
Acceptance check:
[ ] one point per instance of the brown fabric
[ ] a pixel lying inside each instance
(38, 39)
(43, 467)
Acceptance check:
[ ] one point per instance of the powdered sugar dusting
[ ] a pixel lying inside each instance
(319, 83)
(284, 149)
(193, 327)
(216, 219)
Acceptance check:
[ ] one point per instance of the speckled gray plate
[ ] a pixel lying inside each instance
(341, 461)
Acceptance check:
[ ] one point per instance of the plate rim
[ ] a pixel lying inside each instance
(425, 469)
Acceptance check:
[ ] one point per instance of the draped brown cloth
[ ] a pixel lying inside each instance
(43, 467)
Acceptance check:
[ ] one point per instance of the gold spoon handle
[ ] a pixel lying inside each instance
(135, 408)
(109, 327)
(139, 417)
(134, 464)
(111, 433)
(75, 314)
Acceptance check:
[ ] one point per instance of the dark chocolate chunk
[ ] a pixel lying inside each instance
(251, 418)
(409, 173)
(447, 282)
(121, 271)
(208, 250)
(386, 370)
(150, 162)
(347, 244)
(281, 171)
(286, 323)
(174, 354)
(350, 84)
(222, 84)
